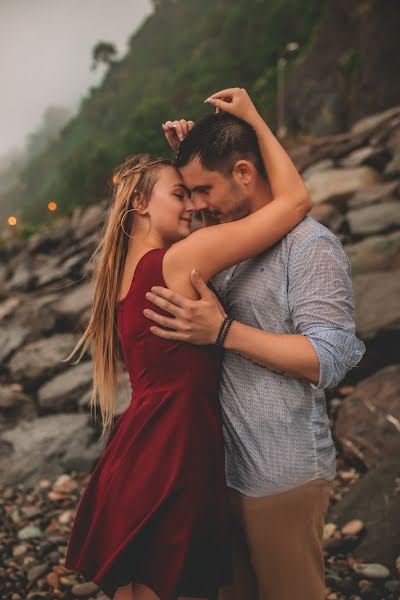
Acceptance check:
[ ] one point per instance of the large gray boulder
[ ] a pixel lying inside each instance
(50, 270)
(374, 219)
(47, 447)
(381, 192)
(73, 301)
(8, 306)
(393, 167)
(318, 167)
(64, 391)
(23, 279)
(12, 337)
(42, 358)
(337, 185)
(374, 156)
(372, 123)
(27, 322)
(85, 222)
(377, 302)
(368, 422)
(15, 406)
(123, 395)
(375, 499)
(375, 253)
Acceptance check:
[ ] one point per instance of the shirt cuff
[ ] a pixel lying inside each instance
(338, 351)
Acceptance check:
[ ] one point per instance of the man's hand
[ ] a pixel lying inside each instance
(176, 131)
(194, 321)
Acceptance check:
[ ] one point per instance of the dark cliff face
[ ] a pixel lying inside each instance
(351, 69)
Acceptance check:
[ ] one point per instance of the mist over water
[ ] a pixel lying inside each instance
(45, 55)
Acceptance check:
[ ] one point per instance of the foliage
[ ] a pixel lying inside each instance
(103, 52)
(184, 51)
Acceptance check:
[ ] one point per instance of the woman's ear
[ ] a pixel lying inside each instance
(139, 206)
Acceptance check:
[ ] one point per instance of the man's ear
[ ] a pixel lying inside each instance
(243, 171)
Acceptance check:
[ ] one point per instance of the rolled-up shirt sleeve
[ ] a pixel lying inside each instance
(321, 302)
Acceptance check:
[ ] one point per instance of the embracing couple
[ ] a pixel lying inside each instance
(214, 483)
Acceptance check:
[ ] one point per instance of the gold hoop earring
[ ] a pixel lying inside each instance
(122, 218)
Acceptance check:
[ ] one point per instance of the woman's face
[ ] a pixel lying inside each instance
(170, 206)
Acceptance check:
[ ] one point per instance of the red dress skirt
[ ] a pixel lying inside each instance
(155, 509)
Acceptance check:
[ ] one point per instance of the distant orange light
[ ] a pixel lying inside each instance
(52, 206)
(115, 179)
(12, 221)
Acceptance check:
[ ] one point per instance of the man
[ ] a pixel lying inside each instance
(280, 456)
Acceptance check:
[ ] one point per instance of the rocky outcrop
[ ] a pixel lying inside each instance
(378, 307)
(367, 427)
(355, 188)
(41, 358)
(46, 289)
(375, 500)
(46, 295)
(373, 254)
(46, 447)
(368, 424)
(338, 185)
(344, 76)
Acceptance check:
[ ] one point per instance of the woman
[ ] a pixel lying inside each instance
(153, 519)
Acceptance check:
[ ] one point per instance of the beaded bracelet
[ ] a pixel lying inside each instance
(227, 326)
(221, 330)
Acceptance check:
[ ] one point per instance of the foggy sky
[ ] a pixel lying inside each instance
(45, 55)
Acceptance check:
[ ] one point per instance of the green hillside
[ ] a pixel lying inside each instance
(183, 52)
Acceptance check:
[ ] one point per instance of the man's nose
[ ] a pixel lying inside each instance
(200, 203)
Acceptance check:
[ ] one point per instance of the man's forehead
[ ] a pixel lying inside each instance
(194, 174)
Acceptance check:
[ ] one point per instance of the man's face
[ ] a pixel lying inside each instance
(223, 197)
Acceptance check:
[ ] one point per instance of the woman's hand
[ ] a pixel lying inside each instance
(176, 131)
(237, 102)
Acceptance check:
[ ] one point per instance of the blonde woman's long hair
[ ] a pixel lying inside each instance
(134, 179)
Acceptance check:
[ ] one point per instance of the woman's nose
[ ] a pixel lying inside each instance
(189, 205)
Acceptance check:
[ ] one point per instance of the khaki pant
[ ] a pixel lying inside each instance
(277, 544)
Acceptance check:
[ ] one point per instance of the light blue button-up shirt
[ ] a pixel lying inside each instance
(276, 428)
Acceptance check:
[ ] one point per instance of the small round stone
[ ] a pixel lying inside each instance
(329, 530)
(84, 589)
(372, 570)
(353, 527)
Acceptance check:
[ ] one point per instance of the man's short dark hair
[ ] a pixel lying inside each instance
(219, 140)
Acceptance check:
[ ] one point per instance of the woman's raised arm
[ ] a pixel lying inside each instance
(213, 249)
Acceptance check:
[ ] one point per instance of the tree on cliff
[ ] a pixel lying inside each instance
(103, 52)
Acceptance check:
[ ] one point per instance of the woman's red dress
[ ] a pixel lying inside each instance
(155, 509)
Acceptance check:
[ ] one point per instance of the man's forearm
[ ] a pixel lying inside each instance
(288, 354)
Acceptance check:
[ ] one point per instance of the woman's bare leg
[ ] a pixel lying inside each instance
(123, 593)
(136, 591)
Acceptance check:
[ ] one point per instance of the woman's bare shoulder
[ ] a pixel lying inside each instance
(176, 269)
